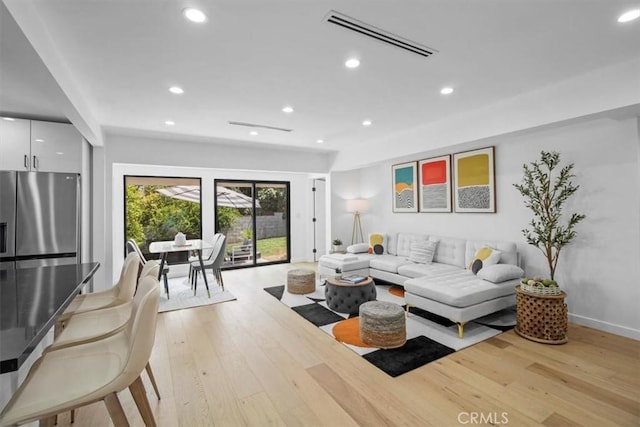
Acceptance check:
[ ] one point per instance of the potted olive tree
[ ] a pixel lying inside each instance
(546, 190)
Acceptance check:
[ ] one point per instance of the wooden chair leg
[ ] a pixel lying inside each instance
(140, 396)
(73, 416)
(152, 379)
(48, 422)
(116, 412)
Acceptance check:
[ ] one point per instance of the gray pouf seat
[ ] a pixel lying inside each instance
(383, 324)
(301, 281)
(348, 298)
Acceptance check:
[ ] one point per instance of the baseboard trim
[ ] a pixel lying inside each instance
(605, 326)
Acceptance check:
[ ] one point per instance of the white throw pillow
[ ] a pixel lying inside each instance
(358, 248)
(423, 252)
(500, 272)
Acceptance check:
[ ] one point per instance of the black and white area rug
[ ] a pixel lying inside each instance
(429, 337)
(181, 295)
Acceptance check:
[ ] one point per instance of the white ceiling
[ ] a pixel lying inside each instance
(114, 61)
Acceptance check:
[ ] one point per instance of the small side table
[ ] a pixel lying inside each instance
(346, 297)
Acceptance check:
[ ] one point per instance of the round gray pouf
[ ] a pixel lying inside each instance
(301, 281)
(382, 324)
(347, 298)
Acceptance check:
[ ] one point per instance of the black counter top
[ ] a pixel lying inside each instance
(31, 300)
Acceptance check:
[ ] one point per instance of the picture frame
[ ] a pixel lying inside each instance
(435, 184)
(474, 181)
(404, 178)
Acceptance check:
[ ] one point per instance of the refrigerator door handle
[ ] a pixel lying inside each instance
(26, 162)
(3, 237)
(35, 162)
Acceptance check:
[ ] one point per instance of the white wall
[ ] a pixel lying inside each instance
(124, 155)
(599, 270)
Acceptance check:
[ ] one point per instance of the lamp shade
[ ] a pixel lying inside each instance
(357, 205)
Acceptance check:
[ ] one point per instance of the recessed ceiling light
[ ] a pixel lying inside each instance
(352, 63)
(169, 122)
(176, 89)
(59, 153)
(320, 141)
(367, 122)
(446, 90)
(629, 16)
(194, 15)
(288, 109)
(253, 132)
(39, 140)
(9, 119)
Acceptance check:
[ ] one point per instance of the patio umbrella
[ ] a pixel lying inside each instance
(225, 196)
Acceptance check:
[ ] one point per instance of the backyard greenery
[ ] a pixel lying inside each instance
(151, 216)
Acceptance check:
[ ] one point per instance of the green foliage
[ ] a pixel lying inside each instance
(226, 217)
(546, 191)
(272, 199)
(151, 216)
(337, 242)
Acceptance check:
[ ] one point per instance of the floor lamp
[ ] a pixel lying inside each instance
(356, 206)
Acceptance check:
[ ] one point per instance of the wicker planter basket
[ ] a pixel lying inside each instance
(547, 290)
(541, 318)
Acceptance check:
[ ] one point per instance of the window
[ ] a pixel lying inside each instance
(157, 208)
(254, 215)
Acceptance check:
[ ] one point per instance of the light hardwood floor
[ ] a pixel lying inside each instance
(254, 362)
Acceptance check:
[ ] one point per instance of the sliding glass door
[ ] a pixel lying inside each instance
(254, 215)
(156, 208)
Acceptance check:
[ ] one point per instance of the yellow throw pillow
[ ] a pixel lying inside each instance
(484, 256)
(377, 243)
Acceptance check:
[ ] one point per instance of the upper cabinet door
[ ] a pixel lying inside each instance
(55, 147)
(14, 144)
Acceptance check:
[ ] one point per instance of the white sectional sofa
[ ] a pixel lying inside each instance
(446, 286)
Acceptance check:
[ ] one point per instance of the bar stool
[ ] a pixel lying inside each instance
(92, 372)
(120, 293)
(98, 324)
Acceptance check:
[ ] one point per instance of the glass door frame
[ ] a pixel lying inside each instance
(254, 187)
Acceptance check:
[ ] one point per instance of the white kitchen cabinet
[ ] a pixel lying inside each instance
(39, 146)
(15, 144)
(55, 147)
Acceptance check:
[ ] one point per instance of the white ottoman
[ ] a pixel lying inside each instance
(357, 264)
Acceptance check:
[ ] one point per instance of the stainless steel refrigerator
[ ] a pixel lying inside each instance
(39, 219)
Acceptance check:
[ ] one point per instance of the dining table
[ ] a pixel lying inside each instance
(167, 246)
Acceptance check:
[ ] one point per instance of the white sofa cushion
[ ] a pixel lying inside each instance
(425, 270)
(388, 263)
(460, 289)
(349, 263)
(405, 240)
(358, 248)
(500, 272)
(450, 251)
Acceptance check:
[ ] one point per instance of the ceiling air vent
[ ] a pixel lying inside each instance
(352, 24)
(255, 125)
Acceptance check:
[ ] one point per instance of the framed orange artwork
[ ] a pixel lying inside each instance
(435, 184)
